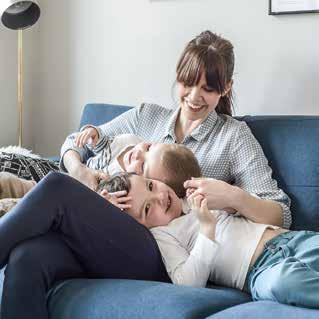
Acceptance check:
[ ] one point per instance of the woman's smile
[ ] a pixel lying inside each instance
(194, 107)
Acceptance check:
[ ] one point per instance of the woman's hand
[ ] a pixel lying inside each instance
(88, 136)
(207, 221)
(118, 199)
(219, 194)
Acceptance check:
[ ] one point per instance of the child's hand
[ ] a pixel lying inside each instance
(88, 136)
(219, 194)
(190, 191)
(118, 199)
(206, 219)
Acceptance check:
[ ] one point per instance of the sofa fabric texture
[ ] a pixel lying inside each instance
(291, 145)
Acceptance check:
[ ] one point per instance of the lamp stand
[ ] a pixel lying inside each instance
(20, 83)
(19, 15)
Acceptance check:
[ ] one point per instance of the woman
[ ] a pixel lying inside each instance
(224, 147)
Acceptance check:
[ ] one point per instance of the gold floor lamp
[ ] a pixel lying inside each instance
(19, 15)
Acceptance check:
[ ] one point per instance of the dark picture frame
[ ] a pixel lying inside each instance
(292, 7)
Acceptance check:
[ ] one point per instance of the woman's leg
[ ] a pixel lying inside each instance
(290, 273)
(33, 267)
(107, 242)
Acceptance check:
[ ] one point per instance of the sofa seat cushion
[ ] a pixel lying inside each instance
(266, 310)
(112, 299)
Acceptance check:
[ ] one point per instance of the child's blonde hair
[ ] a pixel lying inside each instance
(181, 164)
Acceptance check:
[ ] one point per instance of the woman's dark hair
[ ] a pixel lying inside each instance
(214, 55)
(117, 182)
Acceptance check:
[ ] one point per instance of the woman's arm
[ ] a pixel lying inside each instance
(258, 210)
(221, 195)
(250, 171)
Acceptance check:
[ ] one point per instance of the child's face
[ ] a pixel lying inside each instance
(153, 202)
(143, 159)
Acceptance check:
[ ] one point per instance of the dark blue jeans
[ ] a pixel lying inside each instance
(62, 229)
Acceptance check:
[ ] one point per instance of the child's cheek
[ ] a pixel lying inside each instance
(134, 168)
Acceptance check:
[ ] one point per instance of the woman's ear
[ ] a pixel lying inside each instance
(228, 88)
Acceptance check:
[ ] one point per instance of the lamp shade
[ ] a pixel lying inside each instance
(18, 15)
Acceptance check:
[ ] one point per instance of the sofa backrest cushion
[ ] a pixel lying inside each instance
(99, 113)
(291, 144)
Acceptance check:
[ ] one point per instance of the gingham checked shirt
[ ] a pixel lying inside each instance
(225, 148)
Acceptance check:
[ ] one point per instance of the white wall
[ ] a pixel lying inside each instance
(8, 87)
(125, 51)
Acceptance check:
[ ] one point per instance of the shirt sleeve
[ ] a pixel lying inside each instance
(84, 152)
(250, 171)
(187, 268)
(127, 122)
(101, 143)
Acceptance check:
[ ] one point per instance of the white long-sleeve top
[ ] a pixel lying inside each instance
(192, 259)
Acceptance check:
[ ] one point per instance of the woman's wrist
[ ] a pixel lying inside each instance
(256, 209)
(237, 197)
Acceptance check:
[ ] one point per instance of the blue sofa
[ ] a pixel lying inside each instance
(291, 145)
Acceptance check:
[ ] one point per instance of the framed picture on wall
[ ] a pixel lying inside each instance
(293, 6)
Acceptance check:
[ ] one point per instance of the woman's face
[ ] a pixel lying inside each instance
(198, 101)
(153, 202)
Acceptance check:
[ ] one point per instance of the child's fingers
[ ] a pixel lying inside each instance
(190, 191)
(193, 195)
(198, 199)
(203, 204)
(118, 194)
(104, 192)
(77, 139)
(122, 200)
(84, 139)
(190, 200)
(194, 200)
(107, 196)
(124, 206)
